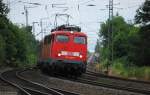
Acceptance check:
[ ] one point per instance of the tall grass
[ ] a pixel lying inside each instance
(121, 68)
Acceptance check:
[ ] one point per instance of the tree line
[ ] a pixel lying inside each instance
(18, 46)
(130, 43)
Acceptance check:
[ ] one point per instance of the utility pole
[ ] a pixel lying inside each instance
(41, 24)
(33, 27)
(55, 22)
(110, 34)
(26, 10)
(67, 20)
(26, 14)
(111, 28)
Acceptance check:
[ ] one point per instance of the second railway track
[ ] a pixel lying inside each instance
(115, 83)
(29, 87)
(33, 88)
(96, 79)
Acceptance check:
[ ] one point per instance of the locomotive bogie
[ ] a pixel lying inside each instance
(67, 67)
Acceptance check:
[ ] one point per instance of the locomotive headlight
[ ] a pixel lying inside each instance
(59, 54)
(80, 56)
(71, 32)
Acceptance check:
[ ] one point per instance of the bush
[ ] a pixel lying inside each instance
(121, 69)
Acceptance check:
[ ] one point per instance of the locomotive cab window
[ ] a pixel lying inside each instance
(79, 40)
(62, 38)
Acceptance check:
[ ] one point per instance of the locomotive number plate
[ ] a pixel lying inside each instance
(70, 53)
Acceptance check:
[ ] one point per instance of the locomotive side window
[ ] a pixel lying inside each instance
(79, 40)
(62, 38)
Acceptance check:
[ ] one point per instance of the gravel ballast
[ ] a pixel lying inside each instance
(83, 89)
(5, 88)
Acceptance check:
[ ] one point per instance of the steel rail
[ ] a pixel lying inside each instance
(113, 77)
(35, 92)
(91, 81)
(11, 77)
(22, 78)
(63, 92)
(102, 84)
(130, 89)
(14, 85)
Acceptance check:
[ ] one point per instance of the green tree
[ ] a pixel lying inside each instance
(143, 13)
(143, 17)
(3, 9)
(17, 45)
(120, 30)
(31, 45)
(143, 53)
(125, 40)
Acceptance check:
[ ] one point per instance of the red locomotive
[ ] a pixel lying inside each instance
(65, 49)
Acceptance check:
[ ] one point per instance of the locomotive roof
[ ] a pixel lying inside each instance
(69, 32)
(67, 28)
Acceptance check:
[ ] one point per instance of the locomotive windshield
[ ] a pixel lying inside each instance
(79, 40)
(62, 38)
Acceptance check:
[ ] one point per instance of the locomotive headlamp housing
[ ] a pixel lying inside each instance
(80, 56)
(59, 54)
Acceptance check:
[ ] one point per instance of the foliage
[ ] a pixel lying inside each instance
(135, 72)
(143, 17)
(3, 9)
(131, 46)
(125, 36)
(31, 46)
(128, 42)
(143, 13)
(18, 46)
(21, 46)
(143, 53)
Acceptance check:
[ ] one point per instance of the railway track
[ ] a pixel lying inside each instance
(27, 87)
(102, 80)
(117, 78)
(115, 83)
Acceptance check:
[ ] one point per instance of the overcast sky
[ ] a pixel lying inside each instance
(87, 17)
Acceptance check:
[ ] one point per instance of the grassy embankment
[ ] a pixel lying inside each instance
(132, 72)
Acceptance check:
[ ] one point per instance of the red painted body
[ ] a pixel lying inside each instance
(65, 50)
